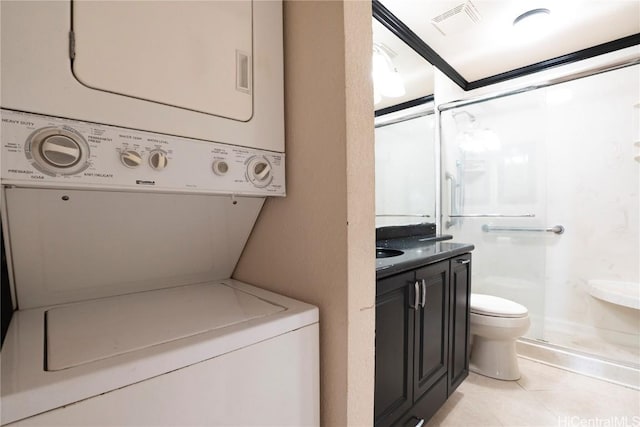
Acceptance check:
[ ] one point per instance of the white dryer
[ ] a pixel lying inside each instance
(211, 70)
(120, 246)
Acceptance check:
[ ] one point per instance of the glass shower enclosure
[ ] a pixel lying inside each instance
(546, 184)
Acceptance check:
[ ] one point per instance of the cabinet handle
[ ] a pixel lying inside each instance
(424, 293)
(416, 303)
(463, 261)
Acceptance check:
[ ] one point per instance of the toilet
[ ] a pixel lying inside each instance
(496, 323)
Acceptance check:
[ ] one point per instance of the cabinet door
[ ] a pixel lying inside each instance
(394, 347)
(431, 334)
(459, 321)
(426, 406)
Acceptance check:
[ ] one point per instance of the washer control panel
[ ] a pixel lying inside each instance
(58, 152)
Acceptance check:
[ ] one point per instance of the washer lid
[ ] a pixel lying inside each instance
(92, 330)
(490, 305)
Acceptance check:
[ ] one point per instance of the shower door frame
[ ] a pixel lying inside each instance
(572, 359)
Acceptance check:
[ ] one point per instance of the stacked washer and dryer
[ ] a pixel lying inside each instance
(139, 143)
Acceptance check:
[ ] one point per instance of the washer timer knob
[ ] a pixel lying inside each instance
(58, 151)
(130, 158)
(158, 160)
(259, 171)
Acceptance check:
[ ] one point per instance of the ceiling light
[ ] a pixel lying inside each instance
(532, 17)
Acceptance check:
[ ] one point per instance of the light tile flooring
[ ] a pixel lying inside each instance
(544, 396)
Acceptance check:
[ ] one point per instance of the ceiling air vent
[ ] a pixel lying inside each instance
(457, 19)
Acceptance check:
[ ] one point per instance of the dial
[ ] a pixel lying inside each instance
(259, 171)
(220, 167)
(58, 151)
(131, 158)
(158, 160)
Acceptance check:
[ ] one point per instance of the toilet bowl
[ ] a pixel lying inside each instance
(496, 323)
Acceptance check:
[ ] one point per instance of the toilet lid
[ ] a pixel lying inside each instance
(489, 305)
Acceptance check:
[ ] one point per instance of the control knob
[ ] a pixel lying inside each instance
(130, 158)
(220, 167)
(158, 160)
(58, 151)
(259, 171)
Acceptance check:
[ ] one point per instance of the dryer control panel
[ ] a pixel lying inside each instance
(47, 151)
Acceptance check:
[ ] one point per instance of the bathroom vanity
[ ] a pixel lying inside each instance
(422, 326)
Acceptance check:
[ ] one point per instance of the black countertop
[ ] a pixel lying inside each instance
(418, 252)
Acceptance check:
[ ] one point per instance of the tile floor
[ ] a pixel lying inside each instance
(544, 396)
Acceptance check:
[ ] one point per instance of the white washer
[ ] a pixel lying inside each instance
(120, 259)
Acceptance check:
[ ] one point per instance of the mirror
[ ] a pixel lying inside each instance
(405, 164)
(405, 132)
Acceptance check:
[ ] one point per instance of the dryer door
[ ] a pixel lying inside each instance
(191, 55)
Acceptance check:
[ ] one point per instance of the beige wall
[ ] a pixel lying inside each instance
(317, 244)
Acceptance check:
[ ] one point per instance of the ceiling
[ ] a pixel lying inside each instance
(475, 42)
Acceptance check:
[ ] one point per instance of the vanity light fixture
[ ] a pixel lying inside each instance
(376, 96)
(386, 79)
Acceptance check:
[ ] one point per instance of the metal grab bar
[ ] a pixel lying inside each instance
(493, 216)
(557, 229)
(453, 199)
(405, 215)
(453, 196)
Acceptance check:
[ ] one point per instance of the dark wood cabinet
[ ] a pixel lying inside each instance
(431, 327)
(422, 335)
(394, 372)
(459, 350)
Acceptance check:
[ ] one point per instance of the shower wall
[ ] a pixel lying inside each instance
(563, 155)
(593, 186)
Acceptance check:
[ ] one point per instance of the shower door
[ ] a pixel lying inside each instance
(546, 185)
(494, 196)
